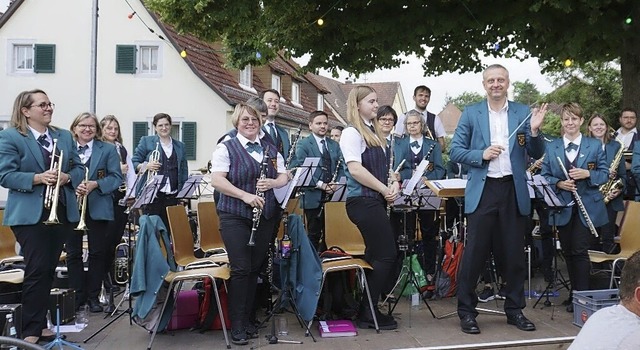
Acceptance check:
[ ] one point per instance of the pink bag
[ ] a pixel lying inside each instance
(185, 312)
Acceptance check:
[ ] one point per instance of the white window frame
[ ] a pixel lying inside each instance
(320, 104)
(143, 45)
(276, 83)
(245, 77)
(11, 58)
(295, 92)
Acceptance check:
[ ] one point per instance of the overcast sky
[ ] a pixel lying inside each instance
(451, 84)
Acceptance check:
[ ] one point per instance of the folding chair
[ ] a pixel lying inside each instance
(629, 241)
(339, 231)
(7, 244)
(209, 224)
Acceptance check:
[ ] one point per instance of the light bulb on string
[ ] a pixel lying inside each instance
(628, 20)
(258, 55)
(496, 47)
(320, 21)
(183, 53)
(130, 16)
(568, 62)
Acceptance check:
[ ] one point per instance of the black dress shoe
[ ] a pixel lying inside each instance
(521, 322)
(239, 336)
(469, 325)
(94, 306)
(570, 308)
(385, 322)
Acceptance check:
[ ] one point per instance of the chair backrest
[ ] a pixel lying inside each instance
(340, 231)
(293, 207)
(181, 235)
(209, 225)
(7, 240)
(629, 235)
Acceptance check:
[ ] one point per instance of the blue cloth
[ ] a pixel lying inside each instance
(302, 272)
(472, 137)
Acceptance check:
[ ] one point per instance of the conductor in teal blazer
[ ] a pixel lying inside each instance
(102, 163)
(586, 164)
(491, 138)
(25, 161)
(172, 165)
(318, 145)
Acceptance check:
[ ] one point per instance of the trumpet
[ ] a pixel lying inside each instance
(578, 200)
(534, 166)
(123, 187)
(153, 157)
(82, 203)
(257, 212)
(53, 191)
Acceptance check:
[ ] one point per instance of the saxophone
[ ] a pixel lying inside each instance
(257, 212)
(613, 184)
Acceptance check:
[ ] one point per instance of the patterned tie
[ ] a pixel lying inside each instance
(254, 147)
(81, 149)
(42, 140)
(415, 144)
(272, 132)
(326, 162)
(571, 146)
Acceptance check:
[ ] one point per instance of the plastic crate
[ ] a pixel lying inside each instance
(586, 302)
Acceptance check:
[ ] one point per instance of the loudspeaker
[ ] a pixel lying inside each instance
(66, 299)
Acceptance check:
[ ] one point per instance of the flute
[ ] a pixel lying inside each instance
(578, 200)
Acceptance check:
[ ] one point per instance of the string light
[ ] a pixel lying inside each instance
(320, 21)
(628, 20)
(130, 16)
(183, 53)
(568, 62)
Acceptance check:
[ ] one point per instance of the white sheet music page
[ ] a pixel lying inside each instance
(417, 175)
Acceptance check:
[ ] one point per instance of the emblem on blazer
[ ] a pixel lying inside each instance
(101, 173)
(521, 139)
(430, 167)
(591, 165)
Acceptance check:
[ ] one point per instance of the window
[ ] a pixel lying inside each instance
(180, 130)
(28, 58)
(149, 59)
(143, 59)
(275, 82)
(295, 92)
(245, 76)
(320, 105)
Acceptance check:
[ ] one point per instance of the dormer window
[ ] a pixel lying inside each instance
(245, 76)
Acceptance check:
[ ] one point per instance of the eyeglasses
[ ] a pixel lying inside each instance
(249, 120)
(385, 120)
(84, 126)
(44, 105)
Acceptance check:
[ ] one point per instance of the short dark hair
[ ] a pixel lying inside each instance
(314, 114)
(629, 109)
(386, 109)
(630, 278)
(338, 127)
(421, 88)
(258, 104)
(269, 90)
(161, 116)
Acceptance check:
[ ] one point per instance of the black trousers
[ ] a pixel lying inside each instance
(315, 228)
(608, 232)
(575, 239)
(115, 230)
(370, 216)
(496, 225)
(158, 207)
(245, 262)
(87, 283)
(41, 246)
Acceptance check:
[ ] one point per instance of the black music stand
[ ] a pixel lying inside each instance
(147, 196)
(191, 186)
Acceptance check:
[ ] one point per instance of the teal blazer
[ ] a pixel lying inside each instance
(590, 156)
(402, 150)
(308, 147)
(147, 145)
(104, 167)
(20, 159)
(472, 137)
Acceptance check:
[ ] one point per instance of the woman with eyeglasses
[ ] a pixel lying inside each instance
(26, 149)
(111, 134)
(236, 168)
(364, 150)
(103, 176)
(171, 164)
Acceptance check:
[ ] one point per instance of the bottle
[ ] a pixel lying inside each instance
(9, 331)
(285, 246)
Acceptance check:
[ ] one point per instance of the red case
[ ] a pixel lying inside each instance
(185, 313)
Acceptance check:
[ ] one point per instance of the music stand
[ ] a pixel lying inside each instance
(147, 196)
(190, 187)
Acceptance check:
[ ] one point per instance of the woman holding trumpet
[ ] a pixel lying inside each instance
(102, 177)
(38, 161)
(586, 169)
(111, 134)
(163, 156)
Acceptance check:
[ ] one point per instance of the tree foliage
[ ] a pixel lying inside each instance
(360, 36)
(526, 92)
(464, 99)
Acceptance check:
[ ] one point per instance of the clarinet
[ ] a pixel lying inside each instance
(292, 150)
(578, 200)
(426, 157)
(257, 212)
(325, 196)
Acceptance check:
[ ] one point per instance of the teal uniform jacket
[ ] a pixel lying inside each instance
(104, 168)
(591, 157)
(308, 147)
(147, 145)
(20, 159)
(472, 137)
(402, 150)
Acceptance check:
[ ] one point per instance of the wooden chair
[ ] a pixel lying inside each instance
(7, 244)
(340, 231)
(182, 240)
(209, 224)
(629, 240)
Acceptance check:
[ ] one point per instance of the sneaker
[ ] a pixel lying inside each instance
(239, 337)
(501, 294)
(486, 295)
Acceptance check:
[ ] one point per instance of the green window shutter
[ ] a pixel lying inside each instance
(139, 129)
(126, 59)
(45, 58)
(189, 133)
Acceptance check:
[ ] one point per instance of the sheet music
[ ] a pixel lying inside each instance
(450, 184)
(417, 175)
(544, 187)
(302, 177)
(190, 186)
(340, 195)
(149, 192)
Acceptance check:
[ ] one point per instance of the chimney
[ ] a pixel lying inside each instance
(347, 81)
